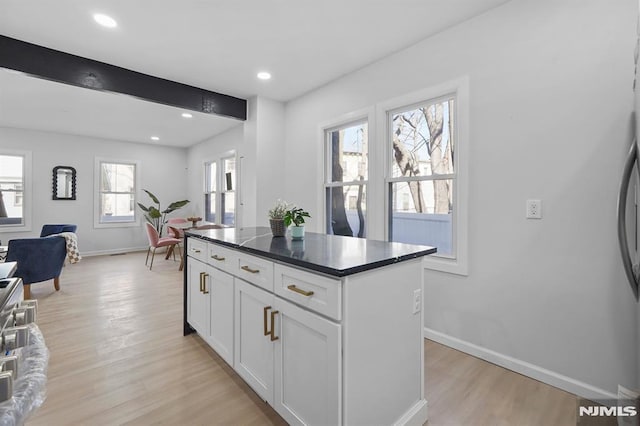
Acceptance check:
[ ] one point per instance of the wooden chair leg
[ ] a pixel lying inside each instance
(181, 259)
(153, 254)
(56, 283)
(169, 251)
(27, 291)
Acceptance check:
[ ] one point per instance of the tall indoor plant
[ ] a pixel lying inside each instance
(157, 217)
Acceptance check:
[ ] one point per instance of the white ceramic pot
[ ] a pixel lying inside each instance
(297, 232)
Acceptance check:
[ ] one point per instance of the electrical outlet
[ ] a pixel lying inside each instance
(417, 301)
(534, 209)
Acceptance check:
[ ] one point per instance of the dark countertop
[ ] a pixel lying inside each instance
(330, 254)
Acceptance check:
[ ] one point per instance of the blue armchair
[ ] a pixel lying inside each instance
(56, 229)
(39, 259)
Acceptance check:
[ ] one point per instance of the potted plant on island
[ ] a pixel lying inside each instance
(296, 216)
(276, 218)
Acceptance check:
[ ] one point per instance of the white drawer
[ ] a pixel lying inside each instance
(315, 292)
(197, 249)
(255, 270)
(221, 257)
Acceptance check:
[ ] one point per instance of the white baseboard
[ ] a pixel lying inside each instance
(416, 416)
(576, 387)
(114, 251)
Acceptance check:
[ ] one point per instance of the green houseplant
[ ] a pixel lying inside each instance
(296, 216)
(276, 218)
(157, 217)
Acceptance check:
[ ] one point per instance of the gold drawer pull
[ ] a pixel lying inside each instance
(195, 250)
(216, 257)
(293, 287)
(273, 326)
(204, 283)
(266, 329)
(248, 269)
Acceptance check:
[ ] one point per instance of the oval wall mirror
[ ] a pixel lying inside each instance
(64, 183)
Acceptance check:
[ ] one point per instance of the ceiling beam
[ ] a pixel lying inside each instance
(75, 70)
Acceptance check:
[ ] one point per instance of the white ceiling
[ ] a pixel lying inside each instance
(217, 45)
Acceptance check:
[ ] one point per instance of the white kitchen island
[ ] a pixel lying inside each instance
(327, 330)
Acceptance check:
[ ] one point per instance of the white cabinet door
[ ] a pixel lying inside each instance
(253, 348)
(198, 302)
(220, 287)
(308, 367)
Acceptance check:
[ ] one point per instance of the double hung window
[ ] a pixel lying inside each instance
(422, 178)
(406, 180)
(220, 190)
(117, 192)
(13, 168)
(347, 174)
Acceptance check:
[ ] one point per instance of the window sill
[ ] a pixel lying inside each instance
(443, 264)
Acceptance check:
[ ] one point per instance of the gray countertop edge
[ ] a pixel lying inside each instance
(314, 266)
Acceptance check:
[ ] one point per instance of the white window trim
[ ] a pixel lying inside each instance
(218, 159)
(27, 196)
(96, 193)
(362, 115)
(460, 86)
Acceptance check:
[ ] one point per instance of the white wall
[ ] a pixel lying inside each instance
(550, 101)
(162, 172)
(259, 146)
(270, 152)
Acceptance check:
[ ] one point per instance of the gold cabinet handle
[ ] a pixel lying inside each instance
(195, 250)
(204, 283)
(266, 329)
(218, 258)
(248, 269)
(273, 326)
(201, 281)
(293, 287)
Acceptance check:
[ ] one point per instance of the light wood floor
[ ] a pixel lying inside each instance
(118, 356)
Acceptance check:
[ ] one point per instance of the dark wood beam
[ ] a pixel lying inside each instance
(63, 67)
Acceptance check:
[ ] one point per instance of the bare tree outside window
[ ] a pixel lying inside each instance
(347, 175)
(423, 148)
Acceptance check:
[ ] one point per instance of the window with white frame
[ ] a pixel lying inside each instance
(425, 140)
(346, 178)
(14, 167)
(220, 190)
(117, 192)
(422, 177)
(210, 185)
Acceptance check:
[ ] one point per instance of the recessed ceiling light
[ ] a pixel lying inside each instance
(263, 75)
(187, 115)
(155, 138)
(105, 20)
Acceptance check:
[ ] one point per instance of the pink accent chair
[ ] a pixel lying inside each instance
(155, 242)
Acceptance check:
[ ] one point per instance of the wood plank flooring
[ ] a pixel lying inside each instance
(118, 357)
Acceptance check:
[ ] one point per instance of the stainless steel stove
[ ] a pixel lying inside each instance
(24, 356)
